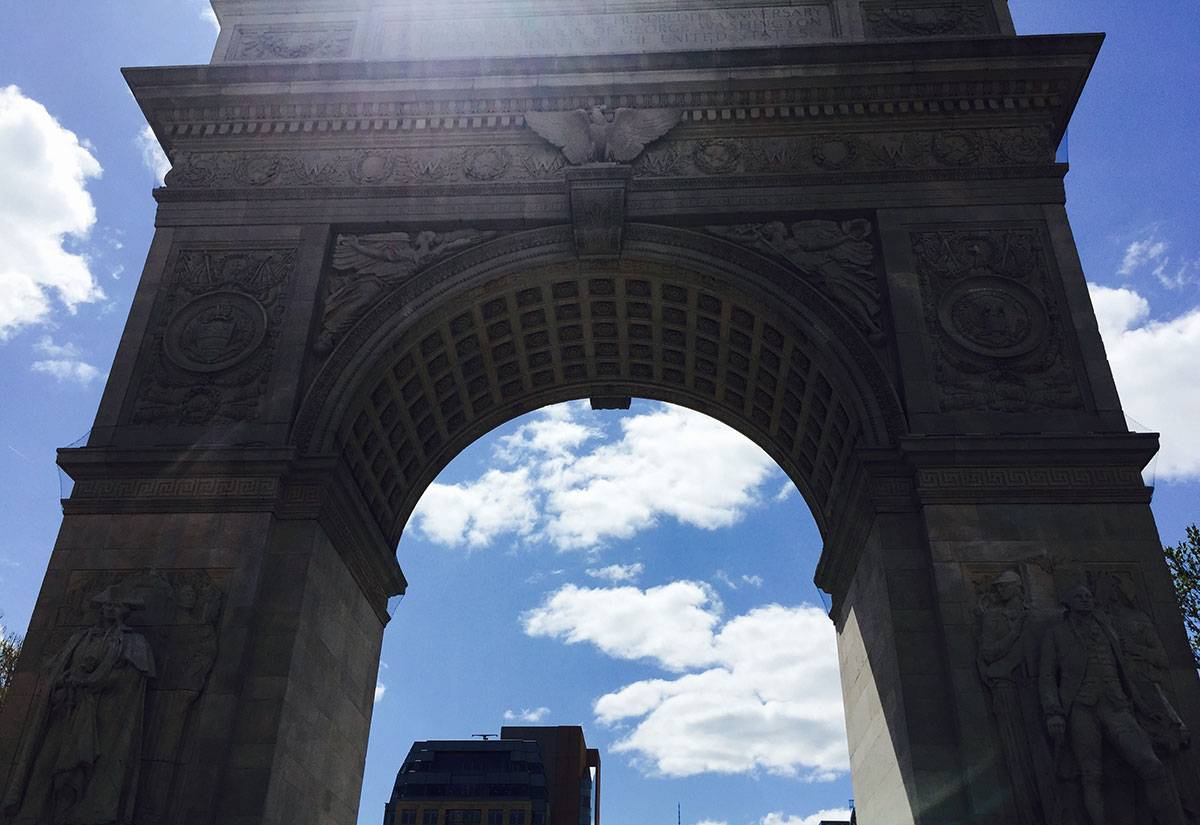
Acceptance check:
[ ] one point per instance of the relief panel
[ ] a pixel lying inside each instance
(999, 336)
(212, 338)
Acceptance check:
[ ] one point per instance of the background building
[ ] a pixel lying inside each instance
(530, 776)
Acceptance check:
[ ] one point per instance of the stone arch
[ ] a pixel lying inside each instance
(522, 322)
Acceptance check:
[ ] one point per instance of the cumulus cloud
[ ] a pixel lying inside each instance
(759, 691)
(152, 154)
(530, 715)
(63, 361)
(44, 208)
(830, 814)
(473, 514)
(566, 486)
(617, 573)
(1154, 365)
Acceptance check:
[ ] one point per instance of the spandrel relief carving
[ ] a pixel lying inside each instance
(81, 756)
(367, 266)
(999, 341)
(213, 335)
(1093, 706)
(837, 256)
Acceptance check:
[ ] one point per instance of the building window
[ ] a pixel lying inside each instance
(408, 816)
(516, 818)
(495, 817)
(464, 817)
(429, 816)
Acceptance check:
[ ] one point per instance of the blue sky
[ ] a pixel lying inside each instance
(76, 218)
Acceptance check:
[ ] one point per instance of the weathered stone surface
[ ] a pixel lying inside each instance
(850, 246)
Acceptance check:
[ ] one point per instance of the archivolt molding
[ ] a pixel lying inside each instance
(519, 323)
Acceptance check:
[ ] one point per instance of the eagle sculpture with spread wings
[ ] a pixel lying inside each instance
(593, 137)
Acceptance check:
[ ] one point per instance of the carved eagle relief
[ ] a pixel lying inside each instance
(595, 137)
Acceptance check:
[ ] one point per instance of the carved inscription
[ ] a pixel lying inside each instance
(999, 341)
(837, 256)
(367, 266)
(614, 33)
(212, 338)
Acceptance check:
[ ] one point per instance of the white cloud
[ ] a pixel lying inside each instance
(530, 715)
(786, 490)
(753, 581)
(618, 573)
(208, 14)
(63, 361)
(712, 822)
(725, 579)
(498, 502)
(829, 814)
(1154, 365)
(380, 690)
(574, 494)
(1142, 252)
(1151, 252)
(614, 619)
(44, 206)
(759, 692)
(152, 154)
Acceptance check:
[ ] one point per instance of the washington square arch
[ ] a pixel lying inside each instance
(837, 226)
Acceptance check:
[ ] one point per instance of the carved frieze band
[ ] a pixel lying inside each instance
(999, 336)
(212, 338)
(159, 494)
(1083, 483)
(886, 19)
(893, 152)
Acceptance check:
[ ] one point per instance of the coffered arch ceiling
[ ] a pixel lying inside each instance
(520, 322)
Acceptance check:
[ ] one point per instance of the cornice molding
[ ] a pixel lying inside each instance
(1016, 80)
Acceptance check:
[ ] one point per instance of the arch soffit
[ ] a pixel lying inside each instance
(706, 263)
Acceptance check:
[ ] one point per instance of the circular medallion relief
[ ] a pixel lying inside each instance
(993, 316)
(215, 332)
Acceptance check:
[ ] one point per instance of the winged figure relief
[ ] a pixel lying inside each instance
(367, 266)
(599, 137)
(836, 255)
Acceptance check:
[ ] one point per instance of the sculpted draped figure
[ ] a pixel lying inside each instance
(1090, 696)
(1008, 666)
(80, 759)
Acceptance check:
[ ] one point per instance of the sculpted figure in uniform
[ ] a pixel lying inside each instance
(80, 759)
(1089, 697)
(1004, 668)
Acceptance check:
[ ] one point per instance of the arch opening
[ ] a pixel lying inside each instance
(521, 323)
